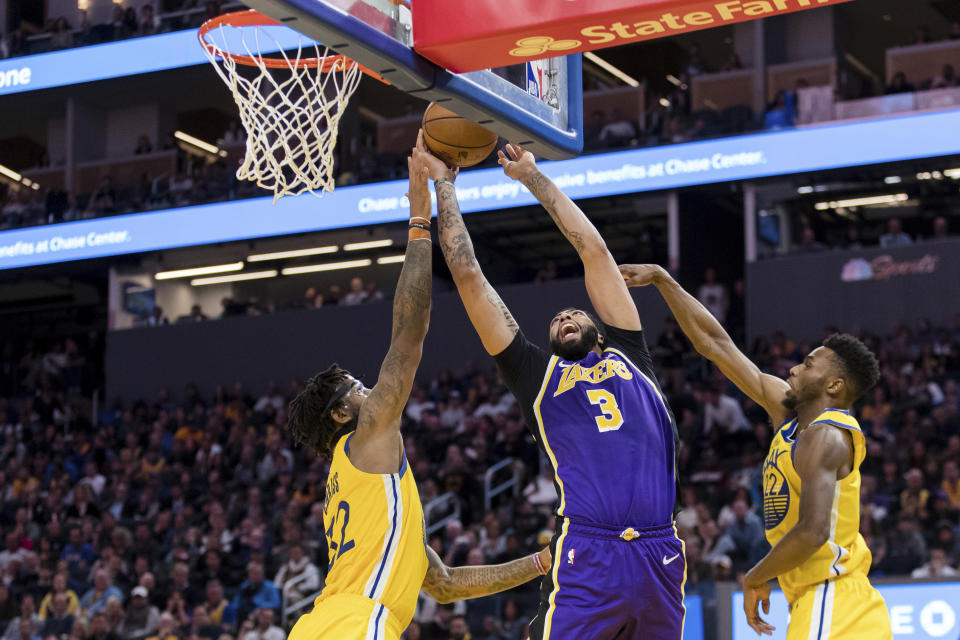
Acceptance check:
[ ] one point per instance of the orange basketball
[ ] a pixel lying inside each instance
(454, 139)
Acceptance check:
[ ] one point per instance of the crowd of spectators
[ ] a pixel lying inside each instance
(195, 517)
(857, 236)
(356, 292)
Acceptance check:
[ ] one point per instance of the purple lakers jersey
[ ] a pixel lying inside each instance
(605, 427)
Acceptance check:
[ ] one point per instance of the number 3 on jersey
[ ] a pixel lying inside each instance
(612, 419)
(343, 546)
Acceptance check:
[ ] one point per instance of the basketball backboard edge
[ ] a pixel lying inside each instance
(481, 96)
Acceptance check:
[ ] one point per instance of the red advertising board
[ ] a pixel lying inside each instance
(467, 35)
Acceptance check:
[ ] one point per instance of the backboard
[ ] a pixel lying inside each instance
(539, 107)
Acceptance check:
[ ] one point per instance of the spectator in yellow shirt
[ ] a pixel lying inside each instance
(59, 586)
(951, 483)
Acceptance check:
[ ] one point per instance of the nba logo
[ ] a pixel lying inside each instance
(570, 555)
(535, 78)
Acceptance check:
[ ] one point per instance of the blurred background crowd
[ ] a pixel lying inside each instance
(186, 517)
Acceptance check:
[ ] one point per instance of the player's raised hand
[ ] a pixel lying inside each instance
(435, 167)
(752, 597)
(640, 275)
(517, 163)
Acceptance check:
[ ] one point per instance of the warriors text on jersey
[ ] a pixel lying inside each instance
(829, 594)
(374, 530)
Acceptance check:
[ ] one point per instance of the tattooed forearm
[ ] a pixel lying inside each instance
(447, 584)
(454, 239)
(547, 193)
(495, 301)
(411, 302)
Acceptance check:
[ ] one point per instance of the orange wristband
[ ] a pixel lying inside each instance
(416, 233)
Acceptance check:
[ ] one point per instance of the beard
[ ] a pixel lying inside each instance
(790, 403)
(576, 349)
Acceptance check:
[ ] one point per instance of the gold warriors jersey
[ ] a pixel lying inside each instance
(374, 530)
(845, 552)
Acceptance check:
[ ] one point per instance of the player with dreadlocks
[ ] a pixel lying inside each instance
(371, 511)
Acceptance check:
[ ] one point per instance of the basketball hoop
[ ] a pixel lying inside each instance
(291, 106)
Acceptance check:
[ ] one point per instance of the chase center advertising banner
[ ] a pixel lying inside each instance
(929, 611)
(744, 157)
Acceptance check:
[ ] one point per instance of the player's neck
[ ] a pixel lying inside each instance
(808, 412)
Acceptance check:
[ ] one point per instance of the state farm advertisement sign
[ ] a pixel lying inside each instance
(481, 34)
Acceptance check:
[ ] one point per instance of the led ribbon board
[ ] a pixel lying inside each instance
(109, 60)
(741, 158)
(466, 36)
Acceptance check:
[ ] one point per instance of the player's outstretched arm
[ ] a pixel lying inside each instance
(489, 315)
(449, 584)
(608, 294)
(711, 340)
(823, 456)
(380, 414)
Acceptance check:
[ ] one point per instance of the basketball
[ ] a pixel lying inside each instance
(454, 139)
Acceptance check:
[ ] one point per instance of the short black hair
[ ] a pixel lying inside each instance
(310, 421)
(858, 365)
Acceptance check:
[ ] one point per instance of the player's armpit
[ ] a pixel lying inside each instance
(446, 584)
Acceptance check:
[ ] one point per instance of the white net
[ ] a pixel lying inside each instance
(291, 114)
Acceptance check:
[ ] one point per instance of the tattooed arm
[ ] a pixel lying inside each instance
(449, 584)
(488, 313)
(376, 446)
(608, 293)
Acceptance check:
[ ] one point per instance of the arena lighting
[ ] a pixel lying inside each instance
(252, 275)
(391, 259)
(609, 68)
(373, 244)
(295, 253)
(664, 103)
(329, 266)
(952, 173)
(198, 271)
(200, 144)
(807, 189)
(893, 179)
(862, 202)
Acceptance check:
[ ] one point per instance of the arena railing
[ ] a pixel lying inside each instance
(441, 503)
(490, 491)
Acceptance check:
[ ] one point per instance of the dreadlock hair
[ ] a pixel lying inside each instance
(857, 363)
(310, 421)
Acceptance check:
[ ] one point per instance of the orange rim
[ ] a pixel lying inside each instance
(251, 18)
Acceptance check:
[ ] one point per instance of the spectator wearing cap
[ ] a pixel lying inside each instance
(142, 617)
(96, 598)
(261, 627)
(59, 586)
(60, 622)
(255, 593)
(298, 577)
(27, 614)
